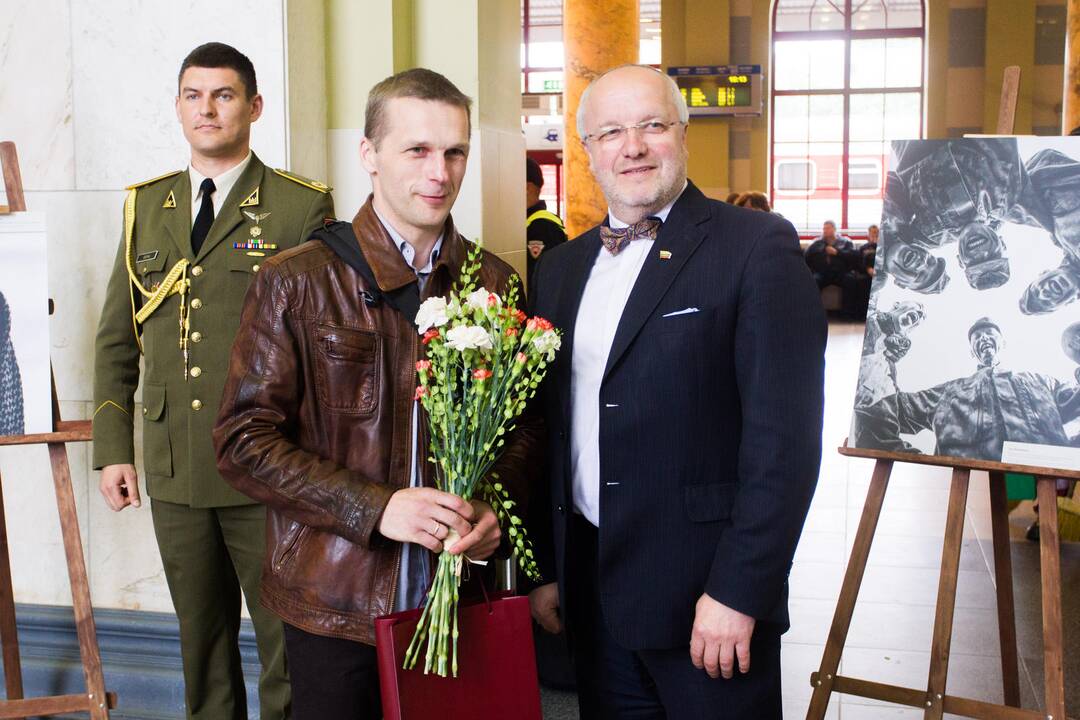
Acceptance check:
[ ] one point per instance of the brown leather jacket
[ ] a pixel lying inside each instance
(315, 423)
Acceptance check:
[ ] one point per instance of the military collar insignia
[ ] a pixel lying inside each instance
(170, 202)
(251, 200)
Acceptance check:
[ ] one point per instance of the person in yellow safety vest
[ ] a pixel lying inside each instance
(543, 228)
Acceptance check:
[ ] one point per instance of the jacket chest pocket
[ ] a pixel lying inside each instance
(241, 262)
(150, 267)
(347, 369)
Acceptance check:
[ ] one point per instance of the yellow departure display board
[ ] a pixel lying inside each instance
(720, 89)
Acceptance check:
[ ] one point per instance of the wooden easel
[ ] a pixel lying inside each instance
(96, 700)
(933, 699)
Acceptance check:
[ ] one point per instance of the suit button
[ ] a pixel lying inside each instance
(196, 371)
(196, 304)
(196, 336)
(255, 267)
(196, 404)
(560, 509)
(197, 270)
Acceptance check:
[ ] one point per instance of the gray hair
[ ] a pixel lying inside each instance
(676, 96)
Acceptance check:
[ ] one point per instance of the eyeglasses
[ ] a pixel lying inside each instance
(618, 133)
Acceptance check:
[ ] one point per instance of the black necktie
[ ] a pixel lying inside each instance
(205, 218)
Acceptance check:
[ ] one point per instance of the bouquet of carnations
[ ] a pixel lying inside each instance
(484, 361)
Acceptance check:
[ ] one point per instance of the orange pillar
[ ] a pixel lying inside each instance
(1070, 116)
(596, 37)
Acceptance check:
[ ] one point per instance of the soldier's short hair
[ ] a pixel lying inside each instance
(419, 83)
(220, 55)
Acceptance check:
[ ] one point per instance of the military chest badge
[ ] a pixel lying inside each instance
(255, 242)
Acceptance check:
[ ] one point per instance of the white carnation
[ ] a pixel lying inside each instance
(548, 342)
(468, 337)
(432, 313)
(478, 299)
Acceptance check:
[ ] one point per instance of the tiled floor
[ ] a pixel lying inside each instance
(889, 640)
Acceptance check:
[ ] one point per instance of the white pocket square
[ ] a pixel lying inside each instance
(685, 311)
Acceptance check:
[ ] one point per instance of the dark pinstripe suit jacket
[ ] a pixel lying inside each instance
(710, 421)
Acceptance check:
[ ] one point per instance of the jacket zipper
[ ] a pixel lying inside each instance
(290, 550)
(408, 442)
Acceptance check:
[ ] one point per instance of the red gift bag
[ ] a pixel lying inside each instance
(496, 666)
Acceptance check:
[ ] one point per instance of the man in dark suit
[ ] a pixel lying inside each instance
(684, 416)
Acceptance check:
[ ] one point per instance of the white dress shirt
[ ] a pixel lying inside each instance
(610, 282)
(223, 183)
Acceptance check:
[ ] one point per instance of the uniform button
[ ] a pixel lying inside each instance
(196, 371)
(196, 404)
(196, 304)
(197, 270)
(144, 411)
(196, 336)
(255, 267)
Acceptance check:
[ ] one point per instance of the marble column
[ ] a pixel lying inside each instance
(596, 38)
(1071, 113)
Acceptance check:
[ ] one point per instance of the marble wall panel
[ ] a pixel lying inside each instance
(125, 82)
(38, 564)
(35, 96)
(84, 231)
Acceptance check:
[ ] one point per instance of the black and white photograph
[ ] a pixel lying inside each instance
(25, 395)
(972, 344)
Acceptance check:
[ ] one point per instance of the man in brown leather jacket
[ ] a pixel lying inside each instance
(318, 419)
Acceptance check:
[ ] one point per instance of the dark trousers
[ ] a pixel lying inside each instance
(855, 295)
(210, 555)
(615, 683)
(332, 679)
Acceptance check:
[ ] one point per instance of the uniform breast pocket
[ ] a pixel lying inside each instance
(347, 369)
(241, 262)
(151, 267)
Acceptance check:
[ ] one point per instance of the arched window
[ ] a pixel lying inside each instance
(847, 77)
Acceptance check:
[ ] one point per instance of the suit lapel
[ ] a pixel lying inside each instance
(679, 237)
(178, 219)
(231, 215)
(571, 289)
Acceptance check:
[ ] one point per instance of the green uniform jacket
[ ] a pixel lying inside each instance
(179, 414)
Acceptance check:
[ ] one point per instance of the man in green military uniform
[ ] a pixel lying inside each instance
(193, 240)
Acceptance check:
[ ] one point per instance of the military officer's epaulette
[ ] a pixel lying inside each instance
(306, 182)
(151, 181)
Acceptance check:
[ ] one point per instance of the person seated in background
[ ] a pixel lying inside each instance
(754, 200)
(857, 281)
(732, 197)
(831, 258)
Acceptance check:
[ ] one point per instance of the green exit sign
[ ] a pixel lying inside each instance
(553, 86)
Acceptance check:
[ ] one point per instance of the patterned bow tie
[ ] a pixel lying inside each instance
(615, 239)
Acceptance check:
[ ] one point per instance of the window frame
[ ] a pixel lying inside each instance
(847, 35)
